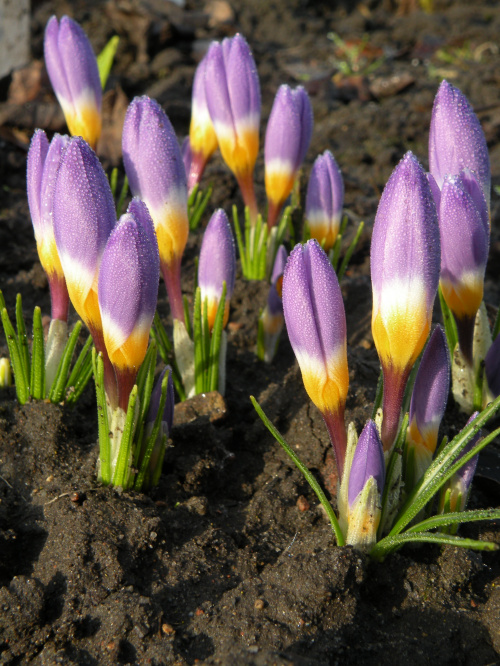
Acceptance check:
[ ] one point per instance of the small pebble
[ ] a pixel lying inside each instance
(303, 504)
(167, 629)
(259, 604)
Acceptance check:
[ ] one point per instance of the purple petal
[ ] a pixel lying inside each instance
(54, 62)
(368, 461)
(51, 169)
(242, 78)
(432, 385)
(37, 155)
(154, 403)
(279, 264)
(140, 211)
(492, 367)
(456, 140)
(325, 191)
(217, 257)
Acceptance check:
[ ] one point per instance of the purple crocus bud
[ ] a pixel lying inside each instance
(315, 320)
(366, 484)
(84, 215)
(128, 290)
(42, 166)
(288, 136)
(465, 235)
(456, 140)
(325, 200)
(156, 174)
(272, 316)
(233, 98)
(492, 367)
(72, 69)
(428, 402)
(405, 261)
(202, 137)
(456, 490)
(187, 157)
(217, 265)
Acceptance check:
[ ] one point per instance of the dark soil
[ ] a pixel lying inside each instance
(230, 560)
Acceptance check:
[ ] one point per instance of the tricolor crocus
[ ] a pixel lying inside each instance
(156, 174)
(84, 215)
(42, 166)
(405, 260)
(325, 200)
(233, 98)
(464, 229)
(72, 69)
(128, 290)
(366, 484)
(288, 135)
(217, 265)
(428, 402)
(456, 140)
(202, 137)
(272, 316)
(315, 321)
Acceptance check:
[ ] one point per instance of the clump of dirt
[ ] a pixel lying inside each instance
(230, 560)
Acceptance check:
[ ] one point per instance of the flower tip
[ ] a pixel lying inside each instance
(368, 461)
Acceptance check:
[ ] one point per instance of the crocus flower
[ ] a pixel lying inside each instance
(42, 166)
(456, 140)
(288, 135)
(428, 402)
(459, 485)
(233, 98)
(217, 265)
(128, 290)
(315, 320)
(202, 137)
(84, 215)
(405, 259)
(492, 367)
(72, 69)
(325, 200)
(272, 316)
(366, 484)
(464, 230)
(156, 174)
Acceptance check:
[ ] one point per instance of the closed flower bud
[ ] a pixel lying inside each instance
(43, 163)
(288, 136)
(456, 140)
(366, 484)
(233, 98)
(315, 321)
(128, 290)
(72, 68)
(156, 174)
(428, 402)
(325, 200)
(465, 233)
(405, 262)
(202, 137)
(217, 265)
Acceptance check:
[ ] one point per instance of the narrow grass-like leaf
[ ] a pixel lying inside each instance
(477, 400)
(199, 347)
(390, 475)
(379, 394)
(105, 59)
(455, 518)
(21, 380)
(450, 327)
(350, 251)
(149, 445)
(165, 349)
(122, 469)
(445, 465)
(60, 383)
(198, 206)
(74, 391)
(22, 338)
(121, 198)
(307, 474)
(102, 418)
(213, 359)
(82, 363)
(37, 382)
(187, 317)
(390, 543)
(239, 241)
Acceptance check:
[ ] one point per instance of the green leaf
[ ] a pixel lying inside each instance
(450, 327)
(122, 469)
(239, 242)
(390, 543)
(20, 377)
(102, 419)
(350, 251)
(60, 384)
(307, 474)
(199, 346)
(455, 518)
(22, 338)
(105, 59)
(213, 358)
(37, 358)
(80, 374)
